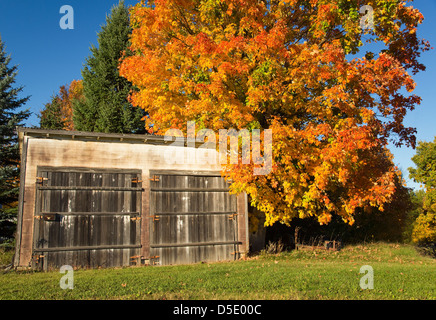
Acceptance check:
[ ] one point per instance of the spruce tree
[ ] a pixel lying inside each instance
(105, 107)
(10, 118)
(51, 116)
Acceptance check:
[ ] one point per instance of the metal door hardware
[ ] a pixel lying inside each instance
(41, 179)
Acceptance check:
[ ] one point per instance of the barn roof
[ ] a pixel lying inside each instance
(97, 136)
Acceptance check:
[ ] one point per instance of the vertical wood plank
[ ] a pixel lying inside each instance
(199, 226)
(77, 226)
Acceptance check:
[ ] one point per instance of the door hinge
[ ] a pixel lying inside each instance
(134, 259)
(154, 260)
(232, 216)
(154, 178)
(135, 218)
(48, 217)
(136, 180)
(41, 179)
(155, 218)
(37, 257)
(51, 217)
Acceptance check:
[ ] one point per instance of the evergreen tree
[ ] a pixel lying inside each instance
(10, 118)
(105, 107)
(51, 116)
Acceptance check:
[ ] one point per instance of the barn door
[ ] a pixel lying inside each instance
(86, 218)
(192, 218)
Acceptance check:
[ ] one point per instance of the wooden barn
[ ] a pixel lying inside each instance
(94, 200)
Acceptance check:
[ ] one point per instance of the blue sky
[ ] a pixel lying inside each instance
(49, 56)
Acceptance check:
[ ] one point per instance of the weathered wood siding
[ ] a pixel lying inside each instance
(80, 151)
(193, 218)
(86, 218)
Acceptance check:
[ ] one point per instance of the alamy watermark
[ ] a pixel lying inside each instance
(367, 20)
(67, 281)
(67, 20)
(367, 281)
(206, 139)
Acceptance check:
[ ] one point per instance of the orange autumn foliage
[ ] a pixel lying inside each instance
(67, 95)
(58, 113)
(285, 66)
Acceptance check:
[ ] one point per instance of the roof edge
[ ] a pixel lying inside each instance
(102, 137)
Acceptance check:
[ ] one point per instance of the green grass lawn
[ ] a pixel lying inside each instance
(399, 273)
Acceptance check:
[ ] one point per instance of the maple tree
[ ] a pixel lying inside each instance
(292, 67)
(68, 97)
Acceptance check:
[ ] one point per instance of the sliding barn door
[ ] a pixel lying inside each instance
(192, 218)
(87, 218)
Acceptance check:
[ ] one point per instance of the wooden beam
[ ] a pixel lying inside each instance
(89, 188)
(91, 213)
(185, 173)
(89, 170)
(23, 167)
(194, 213)
(193, 244)
(189, 190)
(57, 249)
(99, 136)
